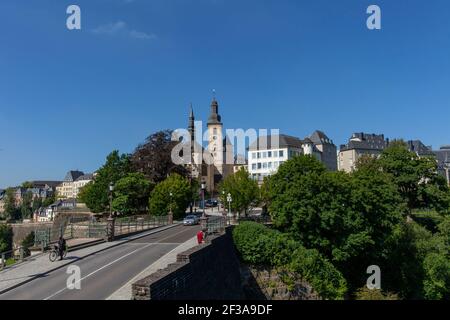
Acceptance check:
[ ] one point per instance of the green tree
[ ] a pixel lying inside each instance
(161, 201)
(346, 217)
(27, 185)
(37, 203)
(244, 191)
(261, 246)
(26, 208)
(49, 200)
(131, 194)
(417, 178)
(153, 158)
(27, 243)
(12, 212)
(96, 193)
(6, 235)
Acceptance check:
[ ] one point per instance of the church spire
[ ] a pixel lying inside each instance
(214, 117)
(191, 125)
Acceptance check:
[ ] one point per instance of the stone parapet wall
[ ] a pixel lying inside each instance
(208, 271)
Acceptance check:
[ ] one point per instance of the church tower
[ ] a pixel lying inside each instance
(215, 137)
(195, 162)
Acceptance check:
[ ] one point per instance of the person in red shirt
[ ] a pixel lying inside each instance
(200, 237)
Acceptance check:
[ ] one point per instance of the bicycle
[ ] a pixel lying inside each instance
(54, 254)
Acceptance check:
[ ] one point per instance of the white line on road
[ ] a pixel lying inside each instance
(112, 262)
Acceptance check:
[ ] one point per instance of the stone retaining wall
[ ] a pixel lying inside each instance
(205, 272)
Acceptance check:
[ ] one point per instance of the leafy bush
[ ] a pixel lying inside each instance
(259, 245)
(161, 202)
(27, 243)
(6, 235)
(365, 293)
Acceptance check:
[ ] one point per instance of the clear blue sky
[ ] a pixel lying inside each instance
(67, 98)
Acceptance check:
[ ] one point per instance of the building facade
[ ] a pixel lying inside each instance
(215, 162)
(443, 160)
(360, 144)
(267, 153)
(72, 184)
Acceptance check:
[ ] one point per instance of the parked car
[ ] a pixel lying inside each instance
(210, 203)
(191, 220)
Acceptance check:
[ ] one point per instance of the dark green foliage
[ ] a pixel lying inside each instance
(259, 245)
(153, 158)
(96, 193)
(416, 177)
(161, 202)
(244, 191)
(27, 243)
(26, 208)
(347, 218)
(12, 211)
(6, 236)
(131, 194)
(374, 294)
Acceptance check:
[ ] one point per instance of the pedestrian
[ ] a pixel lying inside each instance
(61, 247)
(200, 237)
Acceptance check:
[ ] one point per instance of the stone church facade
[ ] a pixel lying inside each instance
(215, 162)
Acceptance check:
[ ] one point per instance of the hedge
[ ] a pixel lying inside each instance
(259, 245)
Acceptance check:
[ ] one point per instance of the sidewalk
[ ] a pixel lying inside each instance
(125, 293)
(39, 265)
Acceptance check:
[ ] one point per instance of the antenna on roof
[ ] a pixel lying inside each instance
(214, 93)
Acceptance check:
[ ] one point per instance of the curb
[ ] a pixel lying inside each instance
(159, 229)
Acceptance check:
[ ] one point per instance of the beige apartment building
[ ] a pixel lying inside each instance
(360, 144)
(72, 184)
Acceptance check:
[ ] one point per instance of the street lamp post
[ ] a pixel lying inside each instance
(229, 199)
(223, 203)
(203, 197)
(111, 189)
(170, 208)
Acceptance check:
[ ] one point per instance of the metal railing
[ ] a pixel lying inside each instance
(138, 223)
(15, 256)
(216, 224)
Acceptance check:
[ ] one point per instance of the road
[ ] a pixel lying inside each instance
(105, 272)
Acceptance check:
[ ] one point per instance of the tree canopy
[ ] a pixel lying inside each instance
(131, 194)
(161, 201)
(417, 178)
(153, 157)
(346, 217)
(96, 193)
(244, 191)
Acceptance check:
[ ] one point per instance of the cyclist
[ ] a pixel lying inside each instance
(61, 247)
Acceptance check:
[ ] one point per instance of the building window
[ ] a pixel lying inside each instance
(269, 165)
(254, 166)
(254, 155)
(275, 154)
(259, 155)
(281, 153)
(264, 165)
(264, 155)
(269, 154)
(259, 165)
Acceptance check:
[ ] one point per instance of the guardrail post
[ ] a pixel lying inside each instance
(3, 260)
(110, 228)
(21, 253)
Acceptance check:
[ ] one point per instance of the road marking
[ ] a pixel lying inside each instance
(112, 262)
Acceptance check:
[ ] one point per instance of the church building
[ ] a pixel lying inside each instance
(212, 164)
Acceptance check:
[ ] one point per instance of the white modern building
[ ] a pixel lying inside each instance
(267, 153)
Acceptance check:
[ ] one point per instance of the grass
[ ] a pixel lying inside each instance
(10, 261)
